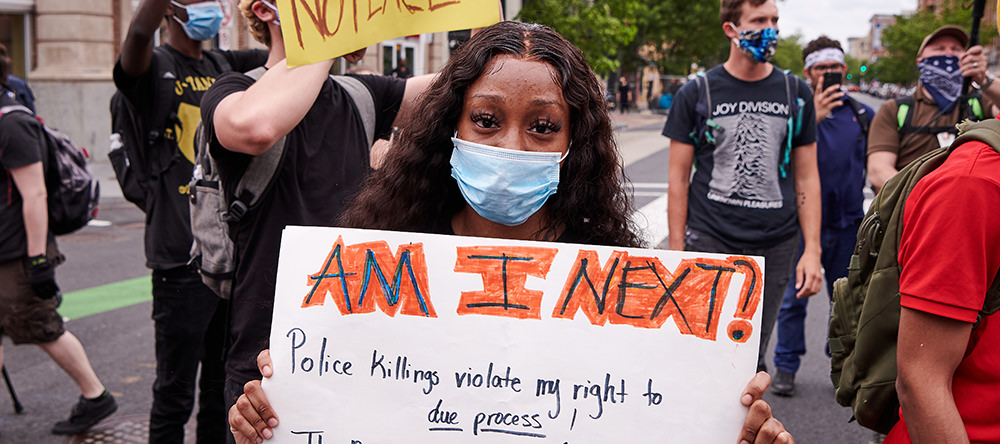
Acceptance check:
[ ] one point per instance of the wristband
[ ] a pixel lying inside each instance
(989, 81)
(35, 261)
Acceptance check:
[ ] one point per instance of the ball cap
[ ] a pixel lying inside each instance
(949, 30)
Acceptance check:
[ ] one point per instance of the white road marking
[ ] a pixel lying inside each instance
(651, 220)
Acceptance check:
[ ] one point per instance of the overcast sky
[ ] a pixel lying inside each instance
(837, 19)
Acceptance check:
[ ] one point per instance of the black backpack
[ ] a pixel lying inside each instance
(72, 190)
(134, 140)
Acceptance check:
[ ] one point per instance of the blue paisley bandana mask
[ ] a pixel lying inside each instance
(941, 78)
(759, 44)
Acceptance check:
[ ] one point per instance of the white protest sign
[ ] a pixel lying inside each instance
(386, 337)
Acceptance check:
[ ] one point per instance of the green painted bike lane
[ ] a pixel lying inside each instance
(103, 298)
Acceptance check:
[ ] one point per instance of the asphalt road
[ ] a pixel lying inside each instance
(106, 265)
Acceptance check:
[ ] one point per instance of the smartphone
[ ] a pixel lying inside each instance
(831, 78)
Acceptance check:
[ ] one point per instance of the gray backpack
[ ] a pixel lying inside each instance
(212, 216)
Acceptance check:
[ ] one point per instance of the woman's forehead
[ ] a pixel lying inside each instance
(517, 69)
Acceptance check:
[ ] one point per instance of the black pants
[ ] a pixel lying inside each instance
(780, 260)
(189, 320)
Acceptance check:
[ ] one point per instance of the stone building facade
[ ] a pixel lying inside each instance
(66, 50)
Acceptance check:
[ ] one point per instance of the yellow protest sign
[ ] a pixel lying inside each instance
(316, 30)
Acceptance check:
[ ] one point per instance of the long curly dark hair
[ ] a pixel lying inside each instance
(414, 190)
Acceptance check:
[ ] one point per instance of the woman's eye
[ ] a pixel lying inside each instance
(545, 126)
(485, 120)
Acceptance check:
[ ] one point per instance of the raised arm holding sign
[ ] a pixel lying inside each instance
(517, 340)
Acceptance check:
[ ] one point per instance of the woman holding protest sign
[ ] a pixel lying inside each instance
(556, 176)
(512, 140)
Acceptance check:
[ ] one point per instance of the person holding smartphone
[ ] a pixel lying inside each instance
(841, 141)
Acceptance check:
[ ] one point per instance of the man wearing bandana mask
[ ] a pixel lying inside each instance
(753, 148)
(168, 82)
(935, 107)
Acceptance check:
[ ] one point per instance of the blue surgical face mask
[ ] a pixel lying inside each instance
(277, 18)
(501, 185)
(942, 79)
(203, 21)
(759, 44)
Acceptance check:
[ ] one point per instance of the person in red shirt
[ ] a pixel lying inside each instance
(949, 366)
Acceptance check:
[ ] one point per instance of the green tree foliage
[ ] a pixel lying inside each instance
(902, 40)
(600, 28)
(788, 56)
(684, 31)
(853, 70)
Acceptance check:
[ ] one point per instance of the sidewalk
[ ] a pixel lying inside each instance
(643, 119)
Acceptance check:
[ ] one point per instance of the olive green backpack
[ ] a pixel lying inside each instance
(865, 318)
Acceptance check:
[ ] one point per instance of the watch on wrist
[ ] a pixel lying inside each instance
(989, 81)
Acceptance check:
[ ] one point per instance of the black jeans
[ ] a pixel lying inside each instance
(189, 320)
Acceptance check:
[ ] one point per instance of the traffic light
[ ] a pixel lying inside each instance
(864, 68)
(850, 76)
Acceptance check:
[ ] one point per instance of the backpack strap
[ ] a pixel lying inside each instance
(363, 102)
(861, 115)
(162, 118)
(256, 73)
(904, 113)
(705, 128)
(794, 121)
(254, 181)
(15, 108)
(973, 108)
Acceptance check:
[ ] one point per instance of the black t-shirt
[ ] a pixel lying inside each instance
(325, 161)
(738, 193)
(21, 144)
(168, 223)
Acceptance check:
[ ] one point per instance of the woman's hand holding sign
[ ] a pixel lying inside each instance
(760, 426)
(251, 418)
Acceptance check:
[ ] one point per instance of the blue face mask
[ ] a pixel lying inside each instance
(203, 21)
(942, 79)
(759, 44)
(501, 185)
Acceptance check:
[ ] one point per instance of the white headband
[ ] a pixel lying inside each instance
(824, 55)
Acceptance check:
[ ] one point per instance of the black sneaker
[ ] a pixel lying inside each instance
(86, 413)
(783, 384)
